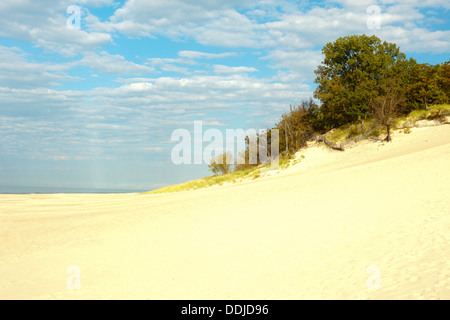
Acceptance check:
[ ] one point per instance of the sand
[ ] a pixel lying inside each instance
(372, 222)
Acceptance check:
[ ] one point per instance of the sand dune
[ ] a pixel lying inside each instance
(322, 229)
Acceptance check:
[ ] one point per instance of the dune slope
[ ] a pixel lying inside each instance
(369, 223)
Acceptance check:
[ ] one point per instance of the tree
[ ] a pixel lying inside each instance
(350, 74)
(221, 164)
(426, 84)
(385, 105)
(443, 75)
(244, 156)
(296, 127)
(258, 150)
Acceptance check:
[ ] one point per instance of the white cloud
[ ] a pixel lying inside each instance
(171, 65)
(417, 39)
(105, 123)
(300, 63)
(409, 3)
(69, 42)
(16, 71)
(44, 23)
(59, 158)
(174, 12)
(186, 60)
(96, 3)
(204, 55)
(221, 69)
(154, 149)
(206, 21)
(113, 64)
(213, 124)
(231, 29)
(288, 26)
(418, 3)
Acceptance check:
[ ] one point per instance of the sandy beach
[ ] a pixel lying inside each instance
(369, 223)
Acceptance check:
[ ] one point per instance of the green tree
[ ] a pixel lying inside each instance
(443, 75)
(350, 74)
(296, 127)
(221, 164)
(427, 84)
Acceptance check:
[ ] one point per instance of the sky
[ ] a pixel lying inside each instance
(92, 90)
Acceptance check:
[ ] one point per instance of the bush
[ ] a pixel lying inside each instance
(221, 164)
(418, 115)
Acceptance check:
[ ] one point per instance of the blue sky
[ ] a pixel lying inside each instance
(95, 107)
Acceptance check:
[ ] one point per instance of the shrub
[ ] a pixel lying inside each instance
(354, 130)
(375, 132)
(221, 164)
(418, 115)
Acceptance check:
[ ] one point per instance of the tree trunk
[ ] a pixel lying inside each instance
(286, 136)
(388, 138)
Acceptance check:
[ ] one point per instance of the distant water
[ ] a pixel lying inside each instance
(47, 190)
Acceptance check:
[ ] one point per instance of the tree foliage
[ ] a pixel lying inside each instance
(427, 84)
(222, 163)
(297, 126)
(350, 74)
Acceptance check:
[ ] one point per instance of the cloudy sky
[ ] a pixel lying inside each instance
(91, 100)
